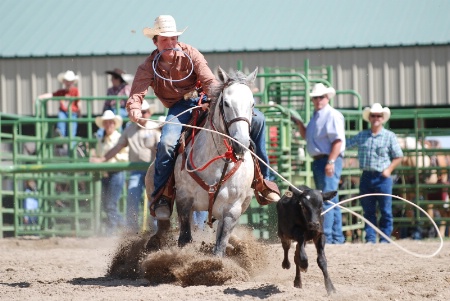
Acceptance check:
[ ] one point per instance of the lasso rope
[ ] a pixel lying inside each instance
(158, 57)
(300, 191)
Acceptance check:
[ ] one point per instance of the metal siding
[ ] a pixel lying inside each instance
(408, 76)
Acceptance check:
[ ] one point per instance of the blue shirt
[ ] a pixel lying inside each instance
(375, 152)
(326, 126)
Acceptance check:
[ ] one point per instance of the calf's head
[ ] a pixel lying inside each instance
(311, 204)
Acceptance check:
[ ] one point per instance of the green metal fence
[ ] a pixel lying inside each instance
(68, 186)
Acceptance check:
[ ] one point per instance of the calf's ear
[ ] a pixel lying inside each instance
(329, 195)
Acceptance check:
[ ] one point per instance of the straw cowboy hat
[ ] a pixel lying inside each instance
(146, 106)
(108, 115)
(69, 75)
(164, 26)
(377, 108)
(128, 78)
(319, 90)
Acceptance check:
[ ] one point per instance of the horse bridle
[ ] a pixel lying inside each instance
(227, 123)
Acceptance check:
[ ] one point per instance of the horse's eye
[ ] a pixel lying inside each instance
(225, 103)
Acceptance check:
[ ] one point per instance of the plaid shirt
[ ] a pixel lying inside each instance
(375, 152)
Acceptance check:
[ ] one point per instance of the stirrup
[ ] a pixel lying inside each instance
(161, 207)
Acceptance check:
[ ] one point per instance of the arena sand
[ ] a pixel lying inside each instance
(116, 269)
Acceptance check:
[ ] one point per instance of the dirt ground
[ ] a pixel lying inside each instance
(80, 269)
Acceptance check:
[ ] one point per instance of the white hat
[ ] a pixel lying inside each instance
(164, 26)
(108, 115)
(146, 106)
(377, 108)
(319, 90)
(69, 75)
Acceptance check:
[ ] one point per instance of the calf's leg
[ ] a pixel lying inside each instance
(322, 263)
(286, 243)
(298, 279)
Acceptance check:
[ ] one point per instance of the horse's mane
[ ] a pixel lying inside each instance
(233, 78)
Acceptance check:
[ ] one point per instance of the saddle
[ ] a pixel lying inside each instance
(168, 192)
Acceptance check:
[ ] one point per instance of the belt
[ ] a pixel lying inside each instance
(320, 157)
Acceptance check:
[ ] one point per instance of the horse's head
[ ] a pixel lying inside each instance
(235, 107)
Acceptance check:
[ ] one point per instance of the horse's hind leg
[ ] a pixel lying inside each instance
(184, 209)
(156, 241)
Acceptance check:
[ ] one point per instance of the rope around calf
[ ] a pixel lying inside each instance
(161, 124)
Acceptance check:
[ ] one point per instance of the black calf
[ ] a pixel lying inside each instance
(299, 219)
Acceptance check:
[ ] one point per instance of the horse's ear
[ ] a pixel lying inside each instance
(223, 76)
(252, 76)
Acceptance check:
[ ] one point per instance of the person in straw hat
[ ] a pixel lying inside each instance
(68, 79)
(379, 153)
(113, 181)
(173, 70)
(325, 143)
(142, 142)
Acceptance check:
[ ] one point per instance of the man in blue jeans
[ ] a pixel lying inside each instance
(379, 153)
(325, 143)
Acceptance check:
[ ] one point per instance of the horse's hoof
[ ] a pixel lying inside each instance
(152, 245)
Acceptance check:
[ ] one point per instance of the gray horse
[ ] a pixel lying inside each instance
(225, 182)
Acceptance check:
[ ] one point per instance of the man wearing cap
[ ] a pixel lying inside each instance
(113, 181)
(142, 142)
(379, 153)
(325, 143)
(173, 70)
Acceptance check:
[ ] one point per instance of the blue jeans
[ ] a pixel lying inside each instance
(199, 218)
(136, 186)
(62, 126)
(111, 191)
(332, 224)
(171, 133)
(374, 182)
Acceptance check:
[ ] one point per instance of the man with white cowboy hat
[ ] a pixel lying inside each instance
(325, 143)
(379, 153)
(142, 139)
(112, 182)
(173, 70)
(68, 79)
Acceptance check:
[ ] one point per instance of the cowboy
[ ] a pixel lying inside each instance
(68, 79)
(325, 143)
(173, 70)
(113, 181)
(142, 139)
(121, 85)
(379, 153)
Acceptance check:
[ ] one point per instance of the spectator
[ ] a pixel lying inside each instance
(142, 143)
(68, 79)
(325, 143)
(30, 204)
(120, 81)
(113, 181)
(121, 85)
(379, 153)
(173, 69)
